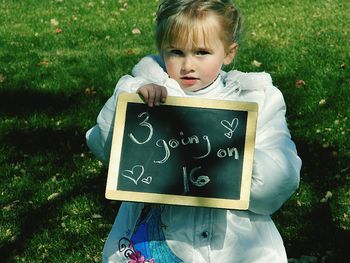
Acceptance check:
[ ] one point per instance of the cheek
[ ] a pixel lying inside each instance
(171, 68)
(212, 69)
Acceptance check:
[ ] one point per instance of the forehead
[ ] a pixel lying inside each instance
(193, 32)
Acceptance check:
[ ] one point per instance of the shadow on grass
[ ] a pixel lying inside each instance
(50, 147)
(54, 150)
(315, 227)
(40, 218)
(23, 101)
(63, 142)
(311, 228)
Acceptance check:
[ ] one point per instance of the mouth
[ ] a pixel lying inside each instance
(188, 80)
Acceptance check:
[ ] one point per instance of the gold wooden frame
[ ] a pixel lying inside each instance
(119, 125)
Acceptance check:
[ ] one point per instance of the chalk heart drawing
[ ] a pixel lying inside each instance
(230, 126)
(147, 180)
(134, 174)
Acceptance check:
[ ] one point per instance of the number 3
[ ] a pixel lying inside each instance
(144, 123)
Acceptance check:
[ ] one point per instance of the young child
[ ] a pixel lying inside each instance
(195, 39)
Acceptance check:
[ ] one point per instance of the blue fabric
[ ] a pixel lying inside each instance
(140, 241)
(149, 239)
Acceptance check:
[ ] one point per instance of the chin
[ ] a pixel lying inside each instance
(193, 89)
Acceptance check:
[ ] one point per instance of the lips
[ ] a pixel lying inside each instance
(189, 81)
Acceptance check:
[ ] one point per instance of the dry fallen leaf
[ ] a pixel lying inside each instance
(44, 63)
(130, 52)
(52, 196)
(327, 197)
(8, 232)
(96, 216)
(322, 102)
(136, 31)
(8, 207)
(300, 83)
(325, 145)
(54, 22)
(90, 91)
(2, 78)
(256, 63)
(58, 30)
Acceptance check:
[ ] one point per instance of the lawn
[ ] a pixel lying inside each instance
(59, 63)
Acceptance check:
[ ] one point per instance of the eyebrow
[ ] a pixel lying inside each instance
(193, 48)
(204, 48)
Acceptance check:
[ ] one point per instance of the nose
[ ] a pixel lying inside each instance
(188, 64)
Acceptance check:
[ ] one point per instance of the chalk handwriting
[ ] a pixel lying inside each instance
(162, 143)
(144, 123)
(190, 140)
(173, 144)
(228, 152)
(200, 181)
(206, 138)
(147, 180)
(230, 126)
(134, 174)
(185, 180)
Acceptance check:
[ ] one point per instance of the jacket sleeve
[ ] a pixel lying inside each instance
(99, 137)
(276, 166)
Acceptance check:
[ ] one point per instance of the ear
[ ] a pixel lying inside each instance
(230, 53)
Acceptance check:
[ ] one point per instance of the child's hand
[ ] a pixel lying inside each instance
(153, 94)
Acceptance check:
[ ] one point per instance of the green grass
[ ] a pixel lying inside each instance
(59, 62)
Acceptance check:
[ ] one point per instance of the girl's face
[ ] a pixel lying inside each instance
(196, 65)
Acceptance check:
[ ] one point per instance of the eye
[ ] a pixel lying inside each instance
(202, 52)
(175, 52)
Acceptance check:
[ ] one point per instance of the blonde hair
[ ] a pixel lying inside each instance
(180, 21)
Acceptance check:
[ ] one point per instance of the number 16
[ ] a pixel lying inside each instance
(201, 180)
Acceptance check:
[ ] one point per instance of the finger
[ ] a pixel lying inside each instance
(144, 94)
(157, 97)
(164, 94)
(151, 96)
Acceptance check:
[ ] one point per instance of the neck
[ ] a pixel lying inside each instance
(209, 84)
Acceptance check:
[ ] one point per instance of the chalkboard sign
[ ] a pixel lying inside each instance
(188, 151)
